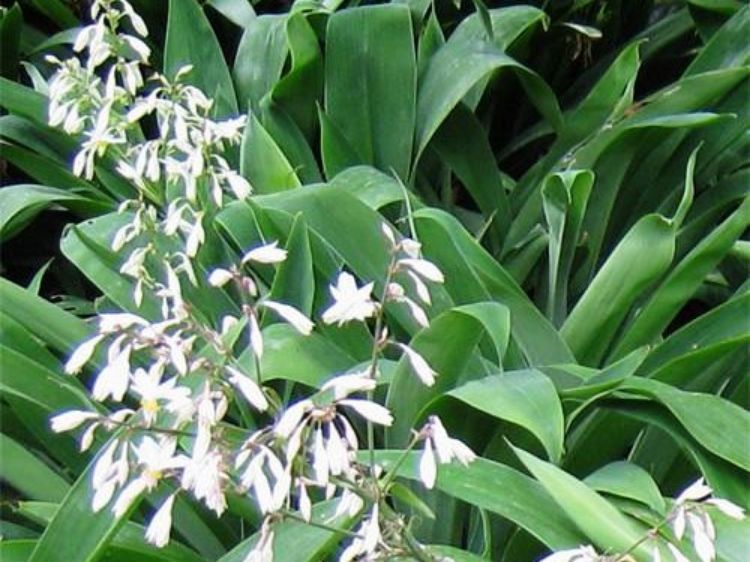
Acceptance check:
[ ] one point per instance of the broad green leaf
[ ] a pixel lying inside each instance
(294, 282)
(191, 41)
(302, 87)
(337, 151)
(295, 541)
(263, 163)
(101, 265)
(462, 145)
(500, 489)
(20, 203)
(565, 196)
(594, 320)
(603, 523)
(59, 329)
(727, 47)
(713, 421)
(311, 360)
(446, 345)
(606, 102)
(508, 24)
(260, 59)
(454, 70)
(238, 12)
(22, 101)
(39, 168)
(526, 398)
(697, 344)
(28, 474)
(473, 275)
(683, 281)
(11, 24)
(370, 86)
(627, 480)
(127, 544)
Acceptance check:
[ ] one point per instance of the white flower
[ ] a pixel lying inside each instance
(418, 364)
(220, 277)
(158, 529)
(70, 420)
(344, 385)
(249, 389)
(111, 323)
(439, 447)
(727, 508)
(351, 302)
(678, 556)
(267, 477)
(370, 411)
(82, 354)
(263, 550)
(268, 253)
(205, 476)
(151, 390)
(366, 542)
(695, 492)
(113, 380)
(299, 321)
(425, 269)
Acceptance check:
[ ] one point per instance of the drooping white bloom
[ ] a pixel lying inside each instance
(727, 508)
(160, 526)
(268, 254)
(350, 302)
(263, 549)
(425, 269)
(440, 447)
(205, 476)
(256, 336)
(371, 411)
(299, 321)
(113, 380)
(220, 277)
(695, 492)
(367, 540)
(344, 385)
(678, 556)
(249, 389)
(418, 364)
(82, 354)
(70, 420)
(266, 475)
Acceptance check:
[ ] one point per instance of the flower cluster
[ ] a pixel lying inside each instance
(176, 384)
(689, 510)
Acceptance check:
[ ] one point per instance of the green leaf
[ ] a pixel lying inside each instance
(473, 275)
(294, 282)
(260, 59)
(628, 480)
(717, 426)
(11, 24)
(683, 281)
(454, 70)
(238, 12)
(20, 203)
(521, 500)
(446, 345)
(22, 101)
(727, 47)
(127, 544)
(370, 86)
(263, 163)
(526, 398)
(190, 40)
(594, 320)
(28, 474)
(604, 524)
(59, 329)
(311, 360)
(565, 196)
(462, 145)
(302, 87)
